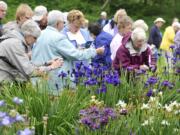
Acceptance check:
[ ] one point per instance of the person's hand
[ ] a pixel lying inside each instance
(144, 67)
(52, 60)
(56, 63)
(100, 50)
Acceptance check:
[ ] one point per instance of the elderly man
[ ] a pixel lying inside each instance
(134, 52)
(52, 43)
(103, 19)
(155, 35)
(40, 16)
(3, 9)
(14, 63)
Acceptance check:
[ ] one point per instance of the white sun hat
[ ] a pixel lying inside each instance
(159, 20)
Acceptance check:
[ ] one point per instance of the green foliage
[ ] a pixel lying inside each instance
(137, 9)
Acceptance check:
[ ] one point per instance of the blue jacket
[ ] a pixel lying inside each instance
(155, 36)
(103, 39)
(52, 44)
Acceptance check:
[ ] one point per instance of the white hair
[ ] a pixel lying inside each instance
(176, 24)
(54, 16)
(138, 34)
(3, 4)
(30, 27)
(140, 24)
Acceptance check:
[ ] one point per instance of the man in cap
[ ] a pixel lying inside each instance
(103, 19)
(155, 35)
(40, 16)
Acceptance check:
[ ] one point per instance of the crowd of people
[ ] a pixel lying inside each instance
(42, 43)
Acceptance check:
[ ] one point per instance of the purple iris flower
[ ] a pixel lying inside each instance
(26, 131)
(6, 121)
(172, 46)
(168, 84)
(17, 100)
(2, 114)
(95, 117)
(103, 89)
(62, 74)
(151, 81)
(2, 103)
(19, 118)
(149, 93)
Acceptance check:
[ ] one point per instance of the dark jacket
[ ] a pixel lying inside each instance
(155, 36)
(102, 22)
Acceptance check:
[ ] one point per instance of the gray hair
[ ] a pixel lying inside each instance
(3, 4)
(140, 24)
(54, 16)
(30, 27)
(138, 34)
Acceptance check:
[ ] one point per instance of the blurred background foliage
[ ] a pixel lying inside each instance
(137, 9)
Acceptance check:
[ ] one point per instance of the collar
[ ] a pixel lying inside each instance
(134, 52)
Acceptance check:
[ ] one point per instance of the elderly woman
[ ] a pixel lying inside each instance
(101, 38)
(23, 13)
(14, 63)
(76, 35)
(52, 43)
(134, 52)
(124, 27)
(111, 27)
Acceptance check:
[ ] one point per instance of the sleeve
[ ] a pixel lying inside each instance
(67, 50)
(177, 39)
(103, 42)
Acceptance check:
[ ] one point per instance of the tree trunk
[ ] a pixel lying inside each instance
(105, 4)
